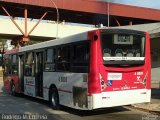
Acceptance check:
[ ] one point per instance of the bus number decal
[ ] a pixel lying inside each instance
(138, 75)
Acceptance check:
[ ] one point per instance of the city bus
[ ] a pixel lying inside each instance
(95, 69)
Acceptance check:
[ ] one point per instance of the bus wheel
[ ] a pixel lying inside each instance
(54, 98)
(13, 89)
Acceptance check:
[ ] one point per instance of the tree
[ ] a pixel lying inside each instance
(3, 47)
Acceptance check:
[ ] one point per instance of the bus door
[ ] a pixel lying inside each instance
(21, 71)
(39, 74)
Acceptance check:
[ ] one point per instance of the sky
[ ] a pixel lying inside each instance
(143, 3)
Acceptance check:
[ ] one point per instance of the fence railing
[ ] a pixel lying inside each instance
(155, 84)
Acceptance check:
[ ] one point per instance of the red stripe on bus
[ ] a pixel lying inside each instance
(67, 91)
(45, 87)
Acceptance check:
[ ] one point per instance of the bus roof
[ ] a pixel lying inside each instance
(74, 38)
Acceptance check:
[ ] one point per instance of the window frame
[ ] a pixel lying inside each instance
(84, 68)
(53, 61)
(32, 64)
(63, 63)
(14, 64)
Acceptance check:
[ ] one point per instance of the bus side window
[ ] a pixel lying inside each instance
(7, 60)
(14, 64)
(50, 60)
(29, 64)
(63, 62)
(8, 64)
(80, 57)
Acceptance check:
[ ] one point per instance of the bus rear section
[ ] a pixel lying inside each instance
(10, 77)
(119, 68)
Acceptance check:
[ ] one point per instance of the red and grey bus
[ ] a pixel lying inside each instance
(95, 69)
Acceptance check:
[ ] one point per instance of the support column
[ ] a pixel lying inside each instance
(13, 20)
(25, 33)
(37, 23)
(25, 26)
(117, 22)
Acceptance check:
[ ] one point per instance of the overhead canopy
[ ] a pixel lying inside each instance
(34, 38)
(82, 11)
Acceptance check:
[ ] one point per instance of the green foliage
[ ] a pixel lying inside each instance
(1, 73)
(22, 44)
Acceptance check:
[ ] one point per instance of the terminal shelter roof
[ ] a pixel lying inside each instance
(82, 11)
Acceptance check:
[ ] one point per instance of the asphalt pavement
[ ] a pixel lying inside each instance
(154, 105)
(22, 107)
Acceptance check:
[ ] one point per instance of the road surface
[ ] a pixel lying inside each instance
(24, 105)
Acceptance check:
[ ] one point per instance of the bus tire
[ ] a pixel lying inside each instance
(54, 98)
(13, 89)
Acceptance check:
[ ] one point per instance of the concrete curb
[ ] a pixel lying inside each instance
(151, 107)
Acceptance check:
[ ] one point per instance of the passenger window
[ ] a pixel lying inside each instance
(29, 64)
(14, 64)
(81, 55)
(8, 64)
(63, 58)
(80, 58)
(50, 60)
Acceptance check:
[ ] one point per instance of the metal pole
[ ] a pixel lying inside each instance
(108, 13)
(57, 16)
(13, 20)
(117, 22)
(25, 16)
(37, 23)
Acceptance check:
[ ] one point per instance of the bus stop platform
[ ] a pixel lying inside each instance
(154, 105)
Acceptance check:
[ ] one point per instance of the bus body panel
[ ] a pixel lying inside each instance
(118, 85)
(93, 77)
(9, 80)
(129, 77)
(118, 98)
(72, 87)
(29, 86)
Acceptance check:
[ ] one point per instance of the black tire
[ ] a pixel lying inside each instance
(54, 98)
(13, 89)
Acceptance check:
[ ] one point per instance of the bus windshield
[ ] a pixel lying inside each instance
(123, 49)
